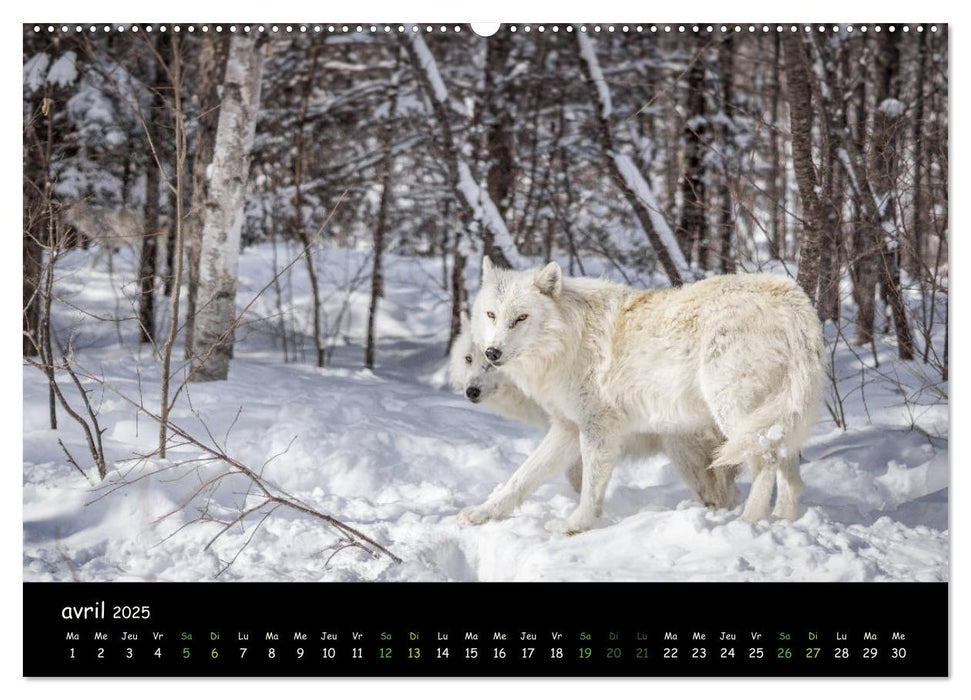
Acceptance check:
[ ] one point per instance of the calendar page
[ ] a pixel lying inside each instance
(536, 350)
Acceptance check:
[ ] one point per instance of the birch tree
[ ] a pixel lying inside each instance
(776, 189)
(219, 256)
(210, 66)
(632, 183)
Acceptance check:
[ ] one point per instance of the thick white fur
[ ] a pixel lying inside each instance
(691, 453)
(111, 229)
(737, 356)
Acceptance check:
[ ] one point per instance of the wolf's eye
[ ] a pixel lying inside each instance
(468, 359)
(522, 317)
(491, 315)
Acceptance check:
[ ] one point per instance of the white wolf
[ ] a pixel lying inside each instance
(739, 356)
(111, 230)
(471, 373)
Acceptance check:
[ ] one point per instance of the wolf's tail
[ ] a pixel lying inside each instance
(778, 426)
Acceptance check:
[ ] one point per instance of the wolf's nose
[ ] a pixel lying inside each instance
(493, 354)
(473, 393)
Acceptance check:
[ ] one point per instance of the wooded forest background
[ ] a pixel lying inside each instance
(816, 151)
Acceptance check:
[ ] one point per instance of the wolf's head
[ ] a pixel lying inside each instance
(514, 311)
(468, 370)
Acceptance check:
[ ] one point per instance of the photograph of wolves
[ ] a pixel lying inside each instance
(729, 368)
(393, 302)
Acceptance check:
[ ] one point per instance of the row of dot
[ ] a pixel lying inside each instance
(332, 28)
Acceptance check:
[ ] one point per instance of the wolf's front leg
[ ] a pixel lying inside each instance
(599, 452)
(557, 450)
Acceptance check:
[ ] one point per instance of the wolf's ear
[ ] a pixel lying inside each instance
(549, 280)
(463, 322)
(488, 269)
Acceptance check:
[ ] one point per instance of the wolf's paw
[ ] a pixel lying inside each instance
(558, 525)
(786, 511)
(476, 515)
(568, 526)
(753, 516)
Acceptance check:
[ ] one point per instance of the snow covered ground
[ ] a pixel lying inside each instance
(396, 454)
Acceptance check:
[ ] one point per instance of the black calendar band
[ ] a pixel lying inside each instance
(486, 629)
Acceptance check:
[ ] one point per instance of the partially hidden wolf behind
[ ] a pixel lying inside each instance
(740, 356)
(470, 373)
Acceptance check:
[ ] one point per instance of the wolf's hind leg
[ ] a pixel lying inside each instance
(726, 492)
(692, 455)
(760, 497)
(789, 488)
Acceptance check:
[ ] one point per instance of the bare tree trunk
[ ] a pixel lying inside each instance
(169, 276)
(212, 65)
(44, 330)
(178, 118)
(501, 175)
(150, 221)
(298, 210)
(32, 264)
(387, 166)
(832, 192)
(692, 232)
(40, 235)
(36, 219)
(627, 176)
(726, 67)
(801, 120)
(863, 265)
(128, 174)
(884, 168)
(219, 257)
(458, 290)
(776, 190)
(149, 251)
(916, 257)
